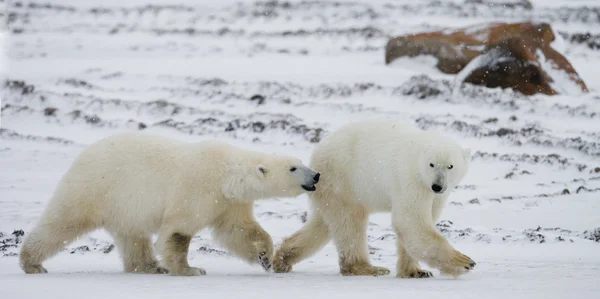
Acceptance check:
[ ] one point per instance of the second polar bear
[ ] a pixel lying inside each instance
(381, 166)
(136, 184)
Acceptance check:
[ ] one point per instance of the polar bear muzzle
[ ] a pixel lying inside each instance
(309, 178)
(439, 185)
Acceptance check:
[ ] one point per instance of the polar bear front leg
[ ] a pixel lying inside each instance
(174, 247)
(137, 254)
(407, 267)
(237, 230)
(422, 240)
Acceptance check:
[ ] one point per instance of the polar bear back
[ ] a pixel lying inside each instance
(117, 177)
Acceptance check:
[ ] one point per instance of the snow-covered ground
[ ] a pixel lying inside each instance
(278, 77)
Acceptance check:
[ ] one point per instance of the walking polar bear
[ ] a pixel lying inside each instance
(376, 166)
(137, 184)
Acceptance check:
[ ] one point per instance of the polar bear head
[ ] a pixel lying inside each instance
(269, 176)
(442, 165)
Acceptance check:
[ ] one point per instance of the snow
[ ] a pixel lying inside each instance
(515, 272)
(318, 65)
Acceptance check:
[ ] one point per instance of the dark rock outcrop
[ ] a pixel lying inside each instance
(499, 55)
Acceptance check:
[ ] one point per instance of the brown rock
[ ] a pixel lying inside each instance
(507, 65)
(506, 51)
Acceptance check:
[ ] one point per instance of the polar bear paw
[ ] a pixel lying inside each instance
(188, 271)
(34, 269)
(281, 261)
(156, 270)
(364, 270)
(457, 264)
(147, 268)
(415, 273)
(264, 260)
(280, 264)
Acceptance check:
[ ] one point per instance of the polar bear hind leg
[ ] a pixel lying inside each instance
(58, 227)
(345, 221)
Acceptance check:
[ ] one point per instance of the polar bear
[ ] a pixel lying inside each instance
(381, 166)
(136, 184)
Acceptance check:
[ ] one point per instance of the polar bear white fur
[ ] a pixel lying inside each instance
(137, 184)
(381, 166)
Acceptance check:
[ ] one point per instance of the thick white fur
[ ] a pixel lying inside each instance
(138, 184)
(381, 166)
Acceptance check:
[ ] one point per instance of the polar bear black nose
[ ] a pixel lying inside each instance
(317, 176)
(436, 188)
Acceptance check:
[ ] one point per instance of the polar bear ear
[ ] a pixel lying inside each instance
(467, 153)
(262, 170)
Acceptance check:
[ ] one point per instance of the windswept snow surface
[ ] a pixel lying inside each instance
(278, 77)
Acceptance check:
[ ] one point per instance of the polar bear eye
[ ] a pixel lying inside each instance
(431, 165)
(293, 169)
(450, 166)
